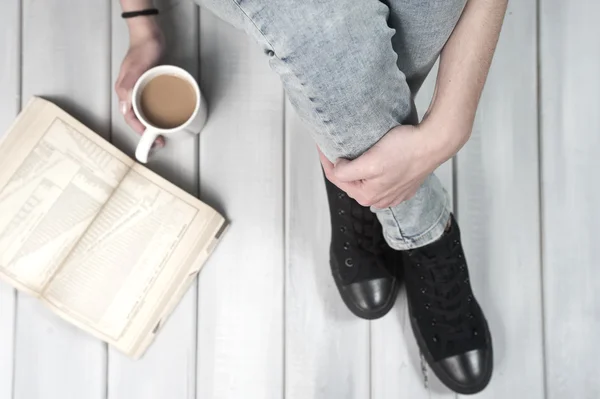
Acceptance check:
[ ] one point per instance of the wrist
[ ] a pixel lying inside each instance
(136, 5)
(446, 134)
(143, 28)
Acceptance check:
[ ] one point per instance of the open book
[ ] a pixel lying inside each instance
(104, 242)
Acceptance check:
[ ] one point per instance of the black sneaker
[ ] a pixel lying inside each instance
(447, 321)
(366, 271)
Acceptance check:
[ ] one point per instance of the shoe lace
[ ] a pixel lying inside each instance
(366, 233)
(445, 287)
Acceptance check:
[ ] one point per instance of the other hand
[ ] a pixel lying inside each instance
(146, 48)
(391, 171)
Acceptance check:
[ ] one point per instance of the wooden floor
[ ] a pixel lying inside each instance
(265, 320)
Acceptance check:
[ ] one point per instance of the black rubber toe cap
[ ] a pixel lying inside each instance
(469, 372)
(371, 299)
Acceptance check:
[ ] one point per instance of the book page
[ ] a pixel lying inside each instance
(143, 242)
(55, 176)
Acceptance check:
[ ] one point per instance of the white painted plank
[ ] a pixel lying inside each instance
(570, 89)
(398, 371)
(170, 363)
(498, 210)
(240, 316)
(65, 58)
(327, 347)
(10, 86)
(10, 69)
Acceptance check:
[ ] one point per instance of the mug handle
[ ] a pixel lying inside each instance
(145, 145)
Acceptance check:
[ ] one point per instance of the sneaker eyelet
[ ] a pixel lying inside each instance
(427, 306)
(470, 315)
(341, 195)
(341, 212)
(466, 281)
(346, 246)
(470, 298)
(456, 242)
(435, 339)
(460, 256)
(433, 322)
(421, 278)
(423, 290)
(418, 265)
(343, 229)
(475, 332)
(349, 262)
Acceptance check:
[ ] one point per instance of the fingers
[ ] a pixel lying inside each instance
(375, 193)
(160, 142)
(329, 169)
(355, 188)
(358, 178)
(123, 89)
(124, 95)
(327, 164)
(126, 81)
(391, 201)
(132, 120)
(385, 203)
(139, 128)
(365, 193)
(367, 166)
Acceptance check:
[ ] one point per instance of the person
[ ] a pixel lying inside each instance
(351, 70)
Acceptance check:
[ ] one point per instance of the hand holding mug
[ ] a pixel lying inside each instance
(147, 46)
(167, 101)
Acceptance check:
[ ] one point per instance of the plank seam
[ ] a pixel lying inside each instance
(20, 58)
(110, 61)
(454, 165)
(285, 244)
(198, 192)
(539, 101)
(370, 360)
(14, 344)
(110, 140)
(455, 186)
(19, 101)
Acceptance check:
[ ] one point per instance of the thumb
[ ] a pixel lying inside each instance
(125, 106)
(325, 162)
(124, 89)
(364, 167)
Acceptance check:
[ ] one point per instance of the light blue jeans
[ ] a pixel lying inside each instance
(351, 69)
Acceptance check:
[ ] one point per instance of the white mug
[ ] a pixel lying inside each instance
(193, 125)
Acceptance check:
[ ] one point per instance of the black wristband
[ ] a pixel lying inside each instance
(132, 14)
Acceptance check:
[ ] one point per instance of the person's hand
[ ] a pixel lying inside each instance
(146, 48)
(391, 171)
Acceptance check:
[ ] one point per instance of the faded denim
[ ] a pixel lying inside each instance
(351, 69)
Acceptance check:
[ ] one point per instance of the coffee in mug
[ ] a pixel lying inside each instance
(168, 101)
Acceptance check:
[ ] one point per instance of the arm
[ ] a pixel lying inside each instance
(146, 48)
(464, 65)
(392, 171)
(140, 27)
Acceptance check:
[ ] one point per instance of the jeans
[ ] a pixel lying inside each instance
(351, 70)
